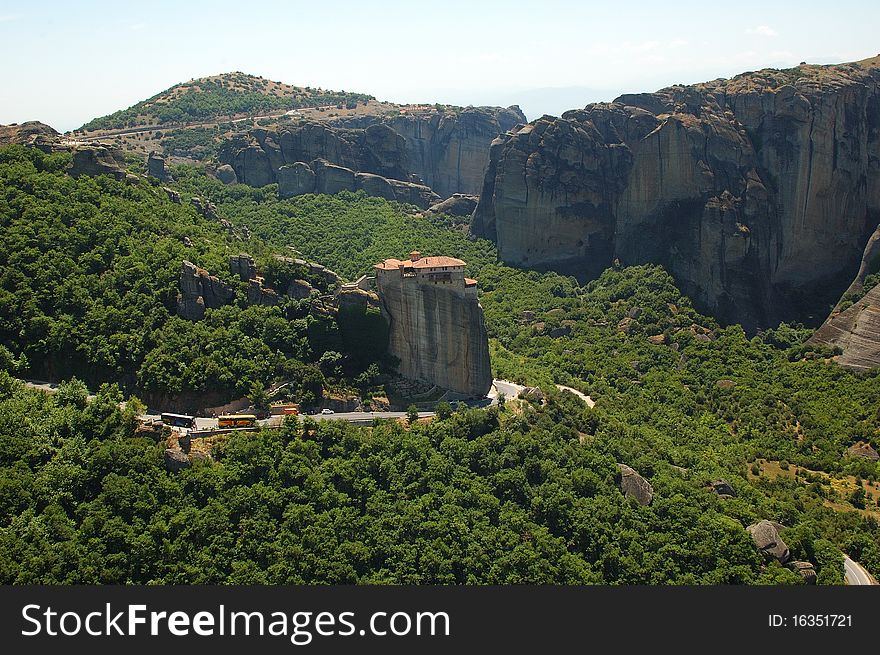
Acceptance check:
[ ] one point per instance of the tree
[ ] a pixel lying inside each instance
(443, 410)
(412, 414)
(258, 397)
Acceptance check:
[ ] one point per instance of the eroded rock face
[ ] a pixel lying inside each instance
(805, 569)
(856, 329)
(757, 193)
(226, 174)
(459, 204)
(447, 152)
(156, 166)
(633, 485)
(295, 180)
(199, 290)
(765, 534)
(437, 329)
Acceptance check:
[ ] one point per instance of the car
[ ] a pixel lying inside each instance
(327, 411)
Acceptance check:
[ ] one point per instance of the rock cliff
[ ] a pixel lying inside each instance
(445, 151)
(855, 329)
(757, 193)
(199, 290)
(93, 158)
(437, 329)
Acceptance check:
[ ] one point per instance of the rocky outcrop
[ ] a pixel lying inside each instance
(176, 460)
(449, 150)
(91, 159)
(226, 174)
(757, 193)
(805, 569)
(436, 324)
(295, 179)
(156, 167)
(30, 133)
(257, 294)
(199, 290)
(856, 331)
(632, 485)
(446, 152)
(723, 488)
(458, 204)
(765, 534)
(244, 266)
(97, 159)
(855, 328)
(864, 451)
(323, 177)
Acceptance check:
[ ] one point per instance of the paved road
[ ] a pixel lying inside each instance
(511, 390)
(855, 574)
(590, 402)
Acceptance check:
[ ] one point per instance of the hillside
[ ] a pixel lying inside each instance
(227, 96)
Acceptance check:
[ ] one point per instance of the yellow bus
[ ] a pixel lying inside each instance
(236, 421)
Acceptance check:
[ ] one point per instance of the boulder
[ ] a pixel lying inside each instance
(806, 570)
(176, 460)
(458, 204)
(765, 535)
(243, 266)
(97, 159)
(633, 485)
(299, 289)
(723, 488)
(257, 294)
(375, 185)
(295, 180)
(226, 174)
(332, 179)
(156, 166)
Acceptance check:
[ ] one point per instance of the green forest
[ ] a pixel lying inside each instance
(211, 98)
(524, 493)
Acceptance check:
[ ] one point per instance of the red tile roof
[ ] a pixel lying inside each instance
(424, 262)
(470, 282)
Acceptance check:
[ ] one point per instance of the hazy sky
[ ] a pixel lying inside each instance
(67, 62)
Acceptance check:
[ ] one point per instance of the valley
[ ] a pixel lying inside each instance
(641, 281)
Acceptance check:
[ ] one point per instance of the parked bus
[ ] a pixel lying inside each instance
(178, 420)
(236, 421)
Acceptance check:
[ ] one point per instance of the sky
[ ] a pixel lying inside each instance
(65, 63)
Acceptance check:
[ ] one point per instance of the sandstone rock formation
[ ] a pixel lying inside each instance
(244, 266)
(176, 460)
(226, 174)
(856, 329)
(437, 330)
(765, 534)
(805, 569)
(30, 133)
(199, 290)
(90, 159)
(633, 485)
(448, 151)
(757, 193)
(156, 166)
(458, 204)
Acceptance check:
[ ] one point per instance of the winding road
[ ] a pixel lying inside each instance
(855, 574)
